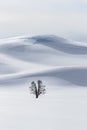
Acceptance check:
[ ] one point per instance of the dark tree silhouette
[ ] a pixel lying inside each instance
(38, 88)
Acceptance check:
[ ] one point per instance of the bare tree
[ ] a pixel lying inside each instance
(37, 89)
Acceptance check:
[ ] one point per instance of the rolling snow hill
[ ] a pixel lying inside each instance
(44, 56)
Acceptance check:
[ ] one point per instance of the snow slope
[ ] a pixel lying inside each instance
(49, 56)
(62, 66)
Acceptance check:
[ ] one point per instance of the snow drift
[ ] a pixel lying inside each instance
(43, 56)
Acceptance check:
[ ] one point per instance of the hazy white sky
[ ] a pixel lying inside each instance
(32, 17)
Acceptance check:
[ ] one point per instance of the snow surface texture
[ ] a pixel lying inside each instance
(62, 66)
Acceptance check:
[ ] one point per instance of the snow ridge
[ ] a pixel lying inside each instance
(43, 56)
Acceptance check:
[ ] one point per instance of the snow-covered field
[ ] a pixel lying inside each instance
(62, 66)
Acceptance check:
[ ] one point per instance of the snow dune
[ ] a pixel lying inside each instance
(61, 44)
(44, 56)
